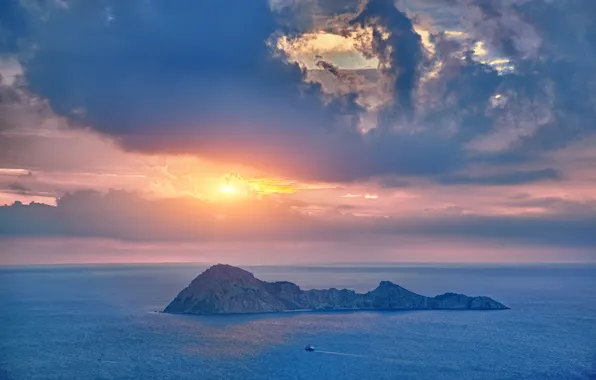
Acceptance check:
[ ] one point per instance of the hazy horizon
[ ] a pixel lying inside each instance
(345, 264)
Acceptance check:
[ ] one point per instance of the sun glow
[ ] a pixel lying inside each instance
(227, 189)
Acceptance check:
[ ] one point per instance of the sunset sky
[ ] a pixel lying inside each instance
(297, 131)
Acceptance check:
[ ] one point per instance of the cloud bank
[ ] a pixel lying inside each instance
(129, 216)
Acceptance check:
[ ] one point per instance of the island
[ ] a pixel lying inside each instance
(225, 289)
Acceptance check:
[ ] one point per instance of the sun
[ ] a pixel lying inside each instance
(227, 189)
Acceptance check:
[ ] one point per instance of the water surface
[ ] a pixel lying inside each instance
(99, 322)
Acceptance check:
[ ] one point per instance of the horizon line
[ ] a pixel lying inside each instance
(313, 264)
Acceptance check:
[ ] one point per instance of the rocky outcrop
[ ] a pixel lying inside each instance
(224, 289)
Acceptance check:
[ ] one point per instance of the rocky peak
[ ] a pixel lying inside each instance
(223, 276)
(388, 286)
(227, 272)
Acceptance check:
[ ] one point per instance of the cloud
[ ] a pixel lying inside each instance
(566, 231)
(544, 102)
(42, 152)
(553, 83)
(165, 84)
(199, 71)
(128, 216)
(10, 70)
(560, 205)
(199, 78)
(19, 189)
(397, 46)
(49, 155)
(504, 179)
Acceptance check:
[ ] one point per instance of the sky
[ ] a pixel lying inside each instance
(297, 131)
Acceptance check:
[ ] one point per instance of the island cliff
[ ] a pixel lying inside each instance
(224, 289)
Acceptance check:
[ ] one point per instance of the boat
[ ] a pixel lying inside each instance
(309, 348)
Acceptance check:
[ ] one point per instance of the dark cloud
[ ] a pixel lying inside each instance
(504, 179)
(18, 188)
(546, 230)
(400, 53)
(462, 95)
(392, 181)
(331, 68)
(334, 7)
(550, 44)
(159, 78)
(27, 187)
(546, 96)
(199, 77)
(231, 102)
(128, 216)
(195, 73)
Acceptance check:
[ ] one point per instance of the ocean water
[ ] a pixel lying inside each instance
(100, 322)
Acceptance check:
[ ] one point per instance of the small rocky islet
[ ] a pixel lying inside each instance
(225, 289)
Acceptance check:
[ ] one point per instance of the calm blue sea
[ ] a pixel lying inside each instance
(99, 322)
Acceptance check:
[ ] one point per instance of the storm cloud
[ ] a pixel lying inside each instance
(206, 78)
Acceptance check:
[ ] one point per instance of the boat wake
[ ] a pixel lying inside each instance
(341, 354)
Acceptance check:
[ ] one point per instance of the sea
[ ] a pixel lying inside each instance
(104, 322)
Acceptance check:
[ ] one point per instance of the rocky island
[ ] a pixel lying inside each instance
(224, 289)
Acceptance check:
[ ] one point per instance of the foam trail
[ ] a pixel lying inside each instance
(356, 355)
(341, 354)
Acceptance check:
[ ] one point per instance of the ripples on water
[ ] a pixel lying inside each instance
(99, 322)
